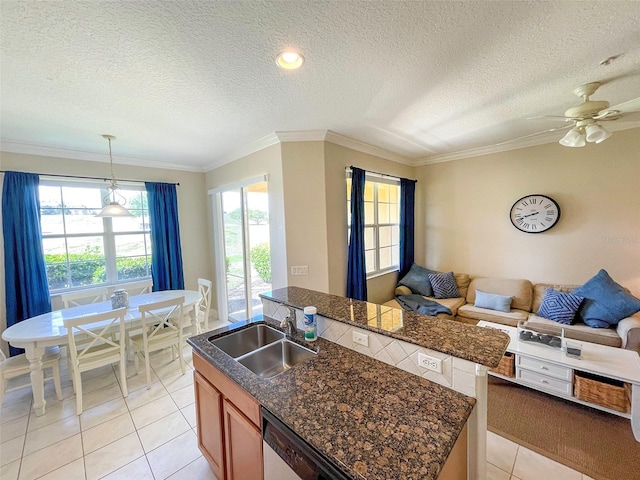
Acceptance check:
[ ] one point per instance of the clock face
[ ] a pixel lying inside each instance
(535, 213)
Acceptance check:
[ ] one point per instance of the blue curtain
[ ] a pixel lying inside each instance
(407, 224)
(166, 263)
(356, 266)
(26, 286)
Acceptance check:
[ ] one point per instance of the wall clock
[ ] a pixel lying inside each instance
(535, 213)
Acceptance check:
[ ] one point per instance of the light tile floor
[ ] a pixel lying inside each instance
(151, 433)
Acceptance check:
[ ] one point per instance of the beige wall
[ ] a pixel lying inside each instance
(264, 162)
(194, 235)
(305, 210)
(312, 190)
(337, 158)
(597, 187)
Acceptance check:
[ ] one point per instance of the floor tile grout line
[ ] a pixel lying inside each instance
(515, 460)
(24, 442)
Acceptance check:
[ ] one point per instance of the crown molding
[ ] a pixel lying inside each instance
(238, 153)
(308, 136)
(487, 150)
(357, 145)
(303, 136)
(44, 151)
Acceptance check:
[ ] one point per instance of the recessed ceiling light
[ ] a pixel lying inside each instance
(289, 60)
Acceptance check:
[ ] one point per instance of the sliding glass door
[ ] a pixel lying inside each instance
(242, 249)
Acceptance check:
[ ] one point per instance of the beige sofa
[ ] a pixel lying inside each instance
(526, 302)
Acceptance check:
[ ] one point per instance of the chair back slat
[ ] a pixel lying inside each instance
(84, 297)
(162, 319)
(204, 305)
(76, 327)
(138, 288)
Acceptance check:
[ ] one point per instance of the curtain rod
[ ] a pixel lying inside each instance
(381, 174)
(85, 178)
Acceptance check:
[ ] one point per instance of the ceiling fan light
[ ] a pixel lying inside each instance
(606, 135)
(596, 134)
(573, 138)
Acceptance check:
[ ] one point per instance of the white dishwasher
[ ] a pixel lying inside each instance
(289, 457)
(274, 467)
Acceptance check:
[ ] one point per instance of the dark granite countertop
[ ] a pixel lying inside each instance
(372, 420)
(479, 345)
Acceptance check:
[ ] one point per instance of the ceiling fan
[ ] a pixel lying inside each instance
(586, 118)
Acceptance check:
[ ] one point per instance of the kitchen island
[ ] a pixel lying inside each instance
(372, 420)
(468, 342)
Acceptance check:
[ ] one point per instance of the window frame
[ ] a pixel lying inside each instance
(377, 179)
(108, 234)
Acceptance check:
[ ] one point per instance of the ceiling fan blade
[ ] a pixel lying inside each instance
(629, 106)
(561, 118)
(623, 117)
(531, 135)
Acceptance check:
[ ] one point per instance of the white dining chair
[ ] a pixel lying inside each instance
(163, 326)
(137, 288)
(18, 365)
(99, 349)
(84, 297)
(204, 306)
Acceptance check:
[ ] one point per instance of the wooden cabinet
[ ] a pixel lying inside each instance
(229, 420)
(243, 445)
(210, 426)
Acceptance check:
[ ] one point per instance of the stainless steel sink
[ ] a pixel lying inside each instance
(240, 343)
(273, 359)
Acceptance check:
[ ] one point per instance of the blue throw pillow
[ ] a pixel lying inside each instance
(417, 279)
(606, 302)
(493, 301)
(444, 285)
(559, 306)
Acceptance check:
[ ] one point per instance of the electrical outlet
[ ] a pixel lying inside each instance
(300, 270)
(430, 363)
(361, 339)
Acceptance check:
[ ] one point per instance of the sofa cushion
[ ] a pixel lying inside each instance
(444, 285)
(493, 301)
(462, 281)
(417, 279)
(560, 307)
(580, 331)
(402, 290)
(511, 318)
(520, 290)
(606, 302)
(451, 303)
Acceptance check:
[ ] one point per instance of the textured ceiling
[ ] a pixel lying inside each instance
(192, 83)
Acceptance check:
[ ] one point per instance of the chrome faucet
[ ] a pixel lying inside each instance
(289, 322)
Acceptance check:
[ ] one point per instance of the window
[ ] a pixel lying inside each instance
(382, 220)
(81, 250)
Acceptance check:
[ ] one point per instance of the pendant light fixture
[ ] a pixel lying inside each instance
(114, 208)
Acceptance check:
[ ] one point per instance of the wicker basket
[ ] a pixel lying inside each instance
(506, 366)
(602, 391)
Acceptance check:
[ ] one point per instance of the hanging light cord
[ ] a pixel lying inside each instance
(114, 182)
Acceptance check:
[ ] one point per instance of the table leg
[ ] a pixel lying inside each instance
(635, 410)
(34, 355)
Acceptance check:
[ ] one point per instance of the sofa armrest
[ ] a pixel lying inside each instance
(402, 290)
(629, 331)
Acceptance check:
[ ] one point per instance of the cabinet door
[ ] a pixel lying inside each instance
(210, 426)
(243, 445)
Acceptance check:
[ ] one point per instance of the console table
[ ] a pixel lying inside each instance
(551, 371)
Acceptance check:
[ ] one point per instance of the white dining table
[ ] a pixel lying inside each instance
(36, 333)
